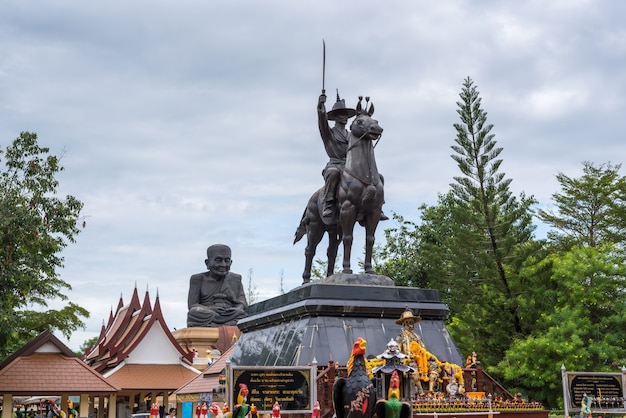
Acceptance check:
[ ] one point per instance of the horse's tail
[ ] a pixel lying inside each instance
(368, 198)
(301, 230)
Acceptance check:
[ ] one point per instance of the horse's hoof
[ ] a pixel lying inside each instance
(347, 271)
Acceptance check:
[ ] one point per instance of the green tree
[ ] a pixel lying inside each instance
(35, 226)
(577, 285)
(581, 324)
(493, 228)
(400, 256)
(526, 306)
(472, 245)
(418, 254)
(86, 346)
(590, 210)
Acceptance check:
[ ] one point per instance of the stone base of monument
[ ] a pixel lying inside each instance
(205, 340)
(365, 279)
(321, 320)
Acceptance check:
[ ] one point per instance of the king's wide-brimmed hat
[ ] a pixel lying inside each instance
(339, 109)
(407, 316)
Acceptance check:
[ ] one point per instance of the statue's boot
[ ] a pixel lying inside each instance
(329, 209)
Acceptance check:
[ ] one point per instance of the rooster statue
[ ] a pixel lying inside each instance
(241, 408)
(276, 410)
(242, 395)
(254, 411)
(354, 396)
(154, 410)
(215, 410)
(317, 410)
(392, 407)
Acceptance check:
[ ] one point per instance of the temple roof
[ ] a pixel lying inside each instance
(157, 376)
(136, 334)
(57, 370)
(209, 379)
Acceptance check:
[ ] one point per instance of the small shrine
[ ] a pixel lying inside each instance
(393, 360)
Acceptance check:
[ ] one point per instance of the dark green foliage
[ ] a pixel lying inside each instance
(580, 325)
(590, 210)
(472, 244)
(35, 226)
(401, 258)
(492, 227)
(526, 306)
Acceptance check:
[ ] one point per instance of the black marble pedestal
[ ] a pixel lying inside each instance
(321, 321)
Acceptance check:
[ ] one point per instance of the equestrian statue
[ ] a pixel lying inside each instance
(353, 189)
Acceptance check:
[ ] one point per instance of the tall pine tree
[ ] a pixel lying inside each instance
(473, 245)
(494, 229)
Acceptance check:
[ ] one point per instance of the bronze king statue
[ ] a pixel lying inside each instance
(353, 188)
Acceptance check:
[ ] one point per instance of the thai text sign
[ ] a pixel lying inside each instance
(291, 387)
(601, 386)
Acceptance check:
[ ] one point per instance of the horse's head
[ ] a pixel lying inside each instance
(363, 126)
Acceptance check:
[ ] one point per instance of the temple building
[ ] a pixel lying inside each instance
(137, 353)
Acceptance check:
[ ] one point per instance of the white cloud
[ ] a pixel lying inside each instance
(555, 103)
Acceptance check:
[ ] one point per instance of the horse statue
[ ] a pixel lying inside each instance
(360, 193)
(360, 197)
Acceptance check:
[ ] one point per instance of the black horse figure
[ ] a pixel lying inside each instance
(361, 192)
(314, 227)
(360, 198)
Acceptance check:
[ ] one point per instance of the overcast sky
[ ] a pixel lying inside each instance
(188, 123)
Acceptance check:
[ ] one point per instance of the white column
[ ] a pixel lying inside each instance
(566, 397)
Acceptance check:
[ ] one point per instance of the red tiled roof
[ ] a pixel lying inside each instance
(209, 378)
(151, 376)
(52, 370)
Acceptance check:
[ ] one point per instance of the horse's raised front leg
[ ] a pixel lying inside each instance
(347, 219)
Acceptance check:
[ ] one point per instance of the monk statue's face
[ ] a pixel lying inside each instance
(218, 261)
